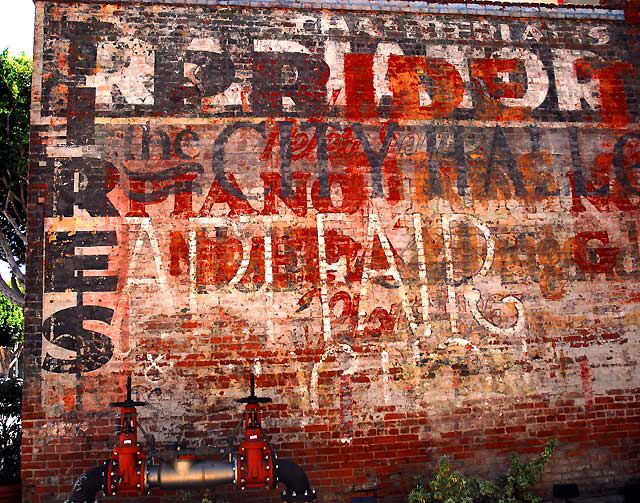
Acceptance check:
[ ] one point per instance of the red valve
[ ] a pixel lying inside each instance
(126, 468)
(256, 459)
(129, 473)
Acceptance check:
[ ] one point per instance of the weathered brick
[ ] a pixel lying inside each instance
(419, 230)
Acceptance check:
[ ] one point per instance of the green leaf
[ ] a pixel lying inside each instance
(447, 486)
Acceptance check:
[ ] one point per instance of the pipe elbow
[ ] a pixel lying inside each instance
(87, 487)
(298, 488)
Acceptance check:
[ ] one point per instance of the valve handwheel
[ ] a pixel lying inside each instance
(252, 398)
(128, 402)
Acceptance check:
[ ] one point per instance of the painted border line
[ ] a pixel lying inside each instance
(419, 7)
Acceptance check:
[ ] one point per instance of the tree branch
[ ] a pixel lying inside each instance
(15, 226)
(15, 198)
(14, 358)
(15, 296)
(15, 267)
(15, 204)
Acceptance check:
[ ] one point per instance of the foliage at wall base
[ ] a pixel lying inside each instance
(515, 486)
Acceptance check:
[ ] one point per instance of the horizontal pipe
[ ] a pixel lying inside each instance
(190, 474)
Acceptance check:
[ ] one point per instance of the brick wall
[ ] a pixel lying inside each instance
(420, 232)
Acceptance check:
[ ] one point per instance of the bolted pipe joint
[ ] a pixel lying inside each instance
(296, 481)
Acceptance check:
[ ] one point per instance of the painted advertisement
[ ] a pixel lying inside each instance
(376, 209)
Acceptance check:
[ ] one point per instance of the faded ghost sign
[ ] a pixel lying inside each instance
(366, 192)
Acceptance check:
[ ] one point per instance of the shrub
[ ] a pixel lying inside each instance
(449, 486)
(11, 323)
(515, 486)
